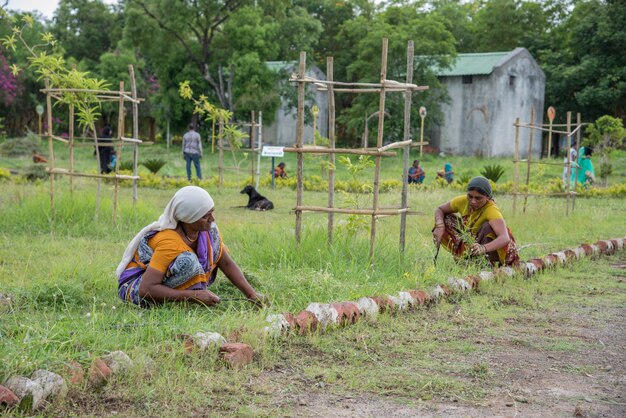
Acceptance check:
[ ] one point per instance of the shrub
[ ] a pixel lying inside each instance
(35, 172)
(19, 147)
(4, 174)
(126, 166)
(492, 172)
(153, 164)
(463, 179)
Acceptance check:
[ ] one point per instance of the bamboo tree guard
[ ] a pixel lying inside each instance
(255, 131)
(378, 152)
(516, 160)
(121, 97)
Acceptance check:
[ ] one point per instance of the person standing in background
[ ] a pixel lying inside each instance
(105, 149)
(192, 151)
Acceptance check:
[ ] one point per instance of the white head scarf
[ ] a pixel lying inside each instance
(188, 205)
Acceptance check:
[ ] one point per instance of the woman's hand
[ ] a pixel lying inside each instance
(205, 297)
(259, 300)
(438, 233)
(477, 249)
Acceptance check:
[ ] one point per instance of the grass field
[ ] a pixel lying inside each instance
(60, 268)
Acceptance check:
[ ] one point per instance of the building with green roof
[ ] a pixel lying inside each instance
(487, 92)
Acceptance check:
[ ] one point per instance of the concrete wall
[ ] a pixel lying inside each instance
(283, 131)
(479, 118)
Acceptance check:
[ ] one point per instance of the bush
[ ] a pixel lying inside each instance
(35, 172)
(19, 147)
(126, 166)
(4, 174)
(492, 172)
(153, 164)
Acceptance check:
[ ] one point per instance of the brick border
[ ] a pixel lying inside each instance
(319, 316)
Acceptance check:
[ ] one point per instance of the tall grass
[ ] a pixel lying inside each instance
(59, 264)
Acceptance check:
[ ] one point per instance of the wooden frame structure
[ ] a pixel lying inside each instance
(121, 97)
(569, 194)
(256, 132)
(332, 87)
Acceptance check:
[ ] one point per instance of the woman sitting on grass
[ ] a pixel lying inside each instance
(472, 225)
(176, 258)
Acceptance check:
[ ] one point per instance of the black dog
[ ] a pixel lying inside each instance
(256, 201)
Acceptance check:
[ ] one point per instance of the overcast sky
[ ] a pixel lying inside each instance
(45, 7)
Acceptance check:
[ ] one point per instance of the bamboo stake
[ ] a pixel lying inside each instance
(331, 139)
(530, 156)
(259, 150)
(300, 141)
(569, 164)
(351, 211)
(133, 89)
(539, 162)
(577, 130)
(71, 148)
(515, 164)
(539, 128)
(118, 153)
(379, 143)
(50, 144)
(101, 176)
(252, 136)
(375, 90)
(361, 151)
(384, 84)
(407, 149)
(220, 160)
(550, 139)
(99, 185)
(401, 144)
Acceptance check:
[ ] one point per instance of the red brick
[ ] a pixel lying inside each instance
(473, 280)
(99, 373)
(291, 318)
(384, 303)
(603, 246)
(74, 372)
(538, 262)
(447, 291)
(587, 248)
(570, 255)
(420, 296)
(7, 397)
(237, 354)
(551, 259)
(307, 322)
(348, 312)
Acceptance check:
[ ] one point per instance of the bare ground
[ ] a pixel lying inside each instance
(568, 359)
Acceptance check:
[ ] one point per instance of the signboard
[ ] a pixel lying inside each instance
(551, 113)
(39, 110)
(269, 151)
(423, 112)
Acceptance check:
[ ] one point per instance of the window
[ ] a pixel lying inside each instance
(467, 79)
(512, 80)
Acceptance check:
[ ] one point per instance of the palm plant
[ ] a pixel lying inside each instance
(492, 172)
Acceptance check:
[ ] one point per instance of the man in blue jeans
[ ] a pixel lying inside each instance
(192, 151)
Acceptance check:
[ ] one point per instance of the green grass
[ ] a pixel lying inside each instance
(60, 267)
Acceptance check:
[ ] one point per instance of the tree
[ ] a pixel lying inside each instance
(86, 29)
(194, 26)
(434, 46)
(605, 134)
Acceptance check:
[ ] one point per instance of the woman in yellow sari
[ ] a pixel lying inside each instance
(472, 225)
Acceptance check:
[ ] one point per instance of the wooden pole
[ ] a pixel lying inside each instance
(71, 146)
(320, 150)
(118, 152)
(550, 138)
(379, 143)
(407, 149)
(578, 133)
(331, 140)
(421, 135)
(258, 155)
(569, 164)
(252, 137)
(220, 160)
(515, 165)
(50, 144)
(530, 156)
(299, 142)
(133, 89)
